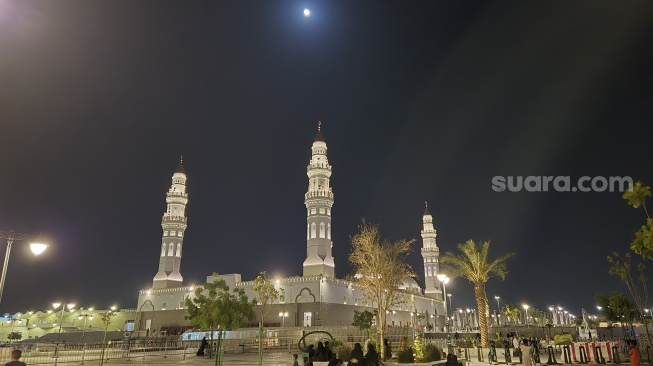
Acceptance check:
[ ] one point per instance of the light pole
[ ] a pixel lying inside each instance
(526, 308)
(449, 296)
(444, 280)
(562, 320)
(55, 306)
(283, 315)
(11, 236)
(553, 315)
(497, 297)
(86, 317)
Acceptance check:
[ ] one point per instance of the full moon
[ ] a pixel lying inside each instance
(307, 13)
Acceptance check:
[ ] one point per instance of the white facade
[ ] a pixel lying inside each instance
(318, 200)
(174, 224)
(431, 256)
(315, 299)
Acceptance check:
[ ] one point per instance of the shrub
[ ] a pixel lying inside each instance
(405, 355)
(432, 353)
(343, 352)
(335, 343)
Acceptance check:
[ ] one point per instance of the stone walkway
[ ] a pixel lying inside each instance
(277, 359)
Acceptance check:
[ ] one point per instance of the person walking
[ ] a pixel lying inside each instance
(634, 353)
(526, 353)
(15, 358)
(200, 352)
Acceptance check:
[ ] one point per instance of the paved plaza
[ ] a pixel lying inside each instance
(249, 359)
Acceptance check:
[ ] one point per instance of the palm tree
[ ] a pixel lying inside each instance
(473, 264)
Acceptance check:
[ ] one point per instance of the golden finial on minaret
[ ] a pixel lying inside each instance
(426, 203)
(181, 159)
(319, 124)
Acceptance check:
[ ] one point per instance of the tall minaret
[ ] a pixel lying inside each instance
(318, 201)
(431, 255)
(174, 224)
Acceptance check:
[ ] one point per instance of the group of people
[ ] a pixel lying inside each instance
(527, 349)
(323, 353)
(371, 358)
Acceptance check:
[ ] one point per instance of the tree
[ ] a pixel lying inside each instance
(15, 336)
(267, 294)
(537, 317)
(622, 268)
(215, 307)
(363, 320)
(106, 318)
(511, 312)
(642, 244)
(379, 266)
(474, 265)
(617, 308)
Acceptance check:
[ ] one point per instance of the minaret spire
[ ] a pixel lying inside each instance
(431, 255)
(174, 224)
(318, 200)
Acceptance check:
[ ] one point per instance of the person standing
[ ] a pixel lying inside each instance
(515, 345)
(388, 349)
(294, 359)
(15, 358)
(526, 353)
(634, 353)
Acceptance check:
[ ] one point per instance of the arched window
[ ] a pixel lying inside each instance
(313, 230)
(163, 250)
(308, 231)
(329, 231)
(430, 273)
(171, 250)
(322, 235)
(178, 249)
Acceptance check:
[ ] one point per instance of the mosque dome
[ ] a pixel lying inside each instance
(409, 284)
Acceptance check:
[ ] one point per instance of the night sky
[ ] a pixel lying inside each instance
(418, 101)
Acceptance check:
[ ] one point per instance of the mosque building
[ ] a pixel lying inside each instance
(315, 299)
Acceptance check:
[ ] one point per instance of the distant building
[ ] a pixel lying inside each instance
(316, 298)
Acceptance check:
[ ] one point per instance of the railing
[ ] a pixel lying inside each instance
(164, 350)
(154, 350)
(311, 194)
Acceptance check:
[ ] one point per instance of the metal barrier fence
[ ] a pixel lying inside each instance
(49, 353)
(162, 350)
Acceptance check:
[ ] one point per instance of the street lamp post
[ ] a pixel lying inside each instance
(11, 236)
(63, 310)
(496, 297)
(444, 279)
(526, 308)
(85, 317)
